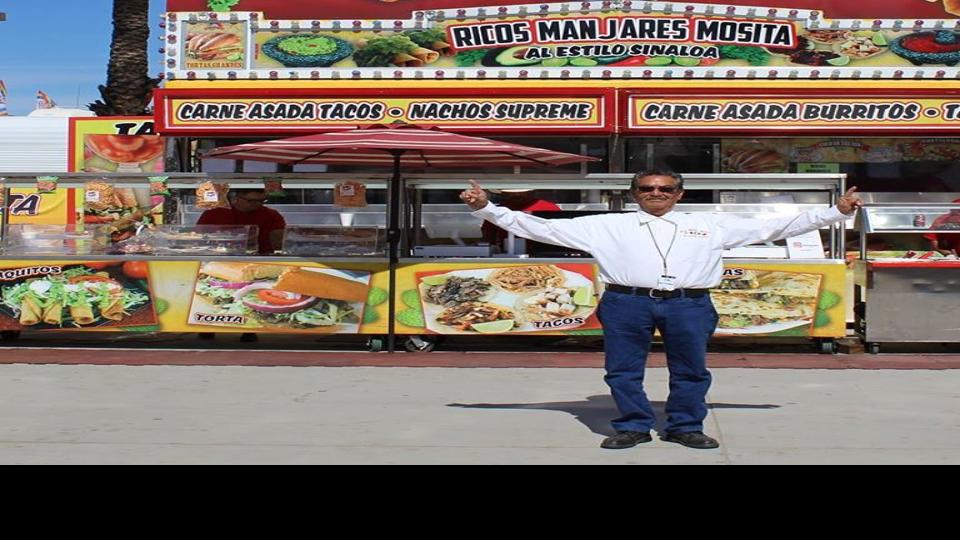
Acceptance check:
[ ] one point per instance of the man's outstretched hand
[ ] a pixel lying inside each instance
(475, 197)
(849, 203)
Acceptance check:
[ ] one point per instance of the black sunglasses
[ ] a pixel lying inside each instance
(662, 189)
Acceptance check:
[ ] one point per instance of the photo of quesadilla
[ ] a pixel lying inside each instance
(739, 278)
(757, 301)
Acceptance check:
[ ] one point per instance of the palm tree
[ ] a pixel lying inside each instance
(129, 88)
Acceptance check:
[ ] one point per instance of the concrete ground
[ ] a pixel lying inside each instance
(118, 414)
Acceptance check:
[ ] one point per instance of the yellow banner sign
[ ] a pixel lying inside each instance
(791, 113)
(451, 112)
(194, 296)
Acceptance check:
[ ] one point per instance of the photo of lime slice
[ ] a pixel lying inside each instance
(435, 280)
(841, 60)
(686, 61)
(554, 62)
(659, 60)
(864, 33)
(584, 297)
(494, 327)
(879, 39)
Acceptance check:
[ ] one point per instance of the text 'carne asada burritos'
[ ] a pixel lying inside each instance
(321, 285)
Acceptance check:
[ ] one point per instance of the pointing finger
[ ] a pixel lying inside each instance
(474, 185)
(850, 191)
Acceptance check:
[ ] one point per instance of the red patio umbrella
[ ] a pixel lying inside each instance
(399, 146)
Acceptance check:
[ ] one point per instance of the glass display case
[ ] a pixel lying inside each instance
(326, 241)
(35, 239)
(204, 239)
(911, 298)
(899, 218)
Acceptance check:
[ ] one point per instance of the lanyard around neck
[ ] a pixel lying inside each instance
(663, 256)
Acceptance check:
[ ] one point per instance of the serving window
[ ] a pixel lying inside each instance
(873, 164)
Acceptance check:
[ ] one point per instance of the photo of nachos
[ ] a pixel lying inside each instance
(760, 302)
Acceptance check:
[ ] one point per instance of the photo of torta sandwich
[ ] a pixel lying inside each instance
(265, 295)
(218, 282)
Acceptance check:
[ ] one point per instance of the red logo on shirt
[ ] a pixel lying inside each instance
(694, 233)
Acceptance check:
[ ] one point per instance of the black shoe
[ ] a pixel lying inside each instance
(248, 337)
(625, 439)
(692, 439)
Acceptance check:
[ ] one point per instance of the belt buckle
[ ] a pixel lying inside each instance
(651, 295)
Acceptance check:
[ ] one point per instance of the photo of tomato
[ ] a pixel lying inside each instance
(136, 269)
(132, 153)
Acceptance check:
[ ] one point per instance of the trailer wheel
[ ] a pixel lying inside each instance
(10, 335)
(828, 346)
(419, 344)
(873, 348)
(375, 344)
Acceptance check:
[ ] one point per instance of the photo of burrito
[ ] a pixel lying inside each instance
(758, 160)
(283, 298)
(78, 296)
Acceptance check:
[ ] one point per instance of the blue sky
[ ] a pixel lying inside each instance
(61, 47)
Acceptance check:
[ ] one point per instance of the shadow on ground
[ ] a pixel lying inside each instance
(595, 412)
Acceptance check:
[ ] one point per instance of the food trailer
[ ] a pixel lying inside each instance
(865, 94)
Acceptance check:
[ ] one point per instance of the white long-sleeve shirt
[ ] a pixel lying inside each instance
(624, 246)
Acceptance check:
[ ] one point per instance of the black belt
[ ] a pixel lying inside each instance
(657, 293)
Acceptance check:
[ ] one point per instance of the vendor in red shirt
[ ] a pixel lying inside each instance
(247, 208)
(522, 200)
(947, 243)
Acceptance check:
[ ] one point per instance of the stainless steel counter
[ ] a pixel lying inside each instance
(907, 302)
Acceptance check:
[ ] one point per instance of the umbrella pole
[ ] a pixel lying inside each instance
(393, 241)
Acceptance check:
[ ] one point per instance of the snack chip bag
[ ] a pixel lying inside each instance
(47, 184)
(158, 185)
(99, 195)
(274, 189)
(211, 195)
(350, 194)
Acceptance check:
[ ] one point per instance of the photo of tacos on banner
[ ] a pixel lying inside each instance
(91, 295)
(122, 153)
(512, 299)
(279, 298)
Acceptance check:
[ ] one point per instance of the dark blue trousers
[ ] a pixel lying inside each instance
(685, 325)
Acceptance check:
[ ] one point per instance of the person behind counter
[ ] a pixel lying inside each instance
(247, 208)
(658, 266)
(520, 200)
(946, 243)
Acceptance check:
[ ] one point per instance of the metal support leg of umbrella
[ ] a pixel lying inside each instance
(393, 241)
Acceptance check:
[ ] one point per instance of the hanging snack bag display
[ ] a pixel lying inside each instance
(99, 196)
(47, 184)
(211, 195)
(350, 194)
